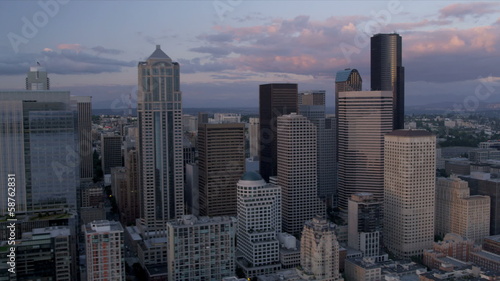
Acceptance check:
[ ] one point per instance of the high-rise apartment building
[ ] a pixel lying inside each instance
(387, 72)
(221, 162)
(319, 250)
(201, 248)
(37, 78)
(160, 153)
(409, 191)
(363, 118)
(111, 152)
(460, 213)
(297, 171)
(274, 101)
(312, 106)
(253, 136)
(259, 222)
(39, 148)
(364, 224)
(104, 250)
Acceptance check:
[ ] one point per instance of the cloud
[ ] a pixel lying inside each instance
(102, 50)
(75, 47)
(312, 48)
(462, 10)
(215, 51)
(196, 65)
(69, 59)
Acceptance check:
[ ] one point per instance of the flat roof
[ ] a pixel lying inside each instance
(410, 133)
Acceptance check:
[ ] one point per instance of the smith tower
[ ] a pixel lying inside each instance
(159, 111)
(387, 72)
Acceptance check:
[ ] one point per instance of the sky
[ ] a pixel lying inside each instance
(227, 48)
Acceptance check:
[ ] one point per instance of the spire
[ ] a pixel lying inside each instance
(158, 54)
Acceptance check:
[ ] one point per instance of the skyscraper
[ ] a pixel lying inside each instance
(221, 162)
(364, 118)
(111, 152)
(274, 101)
(259, 222)
(409, 181)
(37, 78)
(160, 151)
(39, 146)
(297, 171)
(84, 108)
(387, 72)
(347, 80)
(253, 136)
(312, 106)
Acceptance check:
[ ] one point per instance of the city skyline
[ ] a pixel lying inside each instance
(233, 46)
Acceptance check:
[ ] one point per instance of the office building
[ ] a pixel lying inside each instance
(37, 78)
(130, 206)
(160, 153)
(226, 118)
(104, 250)
(39, 145)
(111, 152)
(259, 222)
(319, 250)
(460, 213)
(46, 254)
(84, 108)
(484, 184)
(492, 244)
(363, 119)
(297, 172)
(387, 72)
(409, 193)
(274, 101)
(347, 80)
(221, 162)
(253, 136)
(201, 248)
(312, 106)
(365, 224)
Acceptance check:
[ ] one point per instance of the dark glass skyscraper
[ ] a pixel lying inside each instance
(274, 100)
(387, 72)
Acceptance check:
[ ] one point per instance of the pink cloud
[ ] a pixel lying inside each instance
(313, 47)
(461, 10)
(75, 47)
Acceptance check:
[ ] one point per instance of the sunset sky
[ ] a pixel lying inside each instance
(226, 48)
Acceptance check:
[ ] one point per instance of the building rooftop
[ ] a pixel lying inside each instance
(488, 255)
(251, 176)
(495, 238)
(101, 226)
(158, 54)
(343, 75)
(189, 220)
(410, 133)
